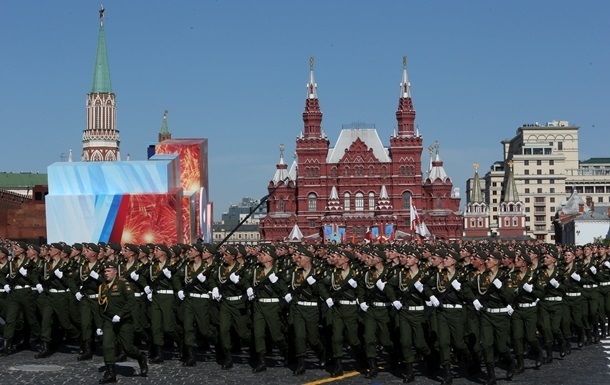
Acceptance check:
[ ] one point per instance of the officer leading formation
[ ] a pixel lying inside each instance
(445, 305)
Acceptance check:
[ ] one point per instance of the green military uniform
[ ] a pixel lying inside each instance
(573, 303)
(591, 295)
(116, 300)
(604, 290)
(551, 309)
(135, 275)
(55, 281)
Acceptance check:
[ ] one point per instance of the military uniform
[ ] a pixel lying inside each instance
(85, 288)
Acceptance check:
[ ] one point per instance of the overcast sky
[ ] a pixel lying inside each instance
(235, 72)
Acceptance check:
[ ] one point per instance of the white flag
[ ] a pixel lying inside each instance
(417, 224)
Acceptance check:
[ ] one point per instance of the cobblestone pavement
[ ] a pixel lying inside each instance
(591, 365)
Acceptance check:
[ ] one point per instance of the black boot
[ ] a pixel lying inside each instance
(409, 374)
(447, 376)
(8, 347)
(109, 375)
(373, 370)
(602, 327)
(300, 367)
(510, 372)
(322, 358)
(338, 370)
(562, 348)
(539, 359)
(228, 362)
(157, 356)
(189, 357)
(474, 366)
(568, 347)
(595, 334)
(581, 339)
(86, 354)
(491, 374)
(143, 362)
(589, 340)
(260, 367)
(520, 368)
(121, 356)
(549, 355)
(45, 351)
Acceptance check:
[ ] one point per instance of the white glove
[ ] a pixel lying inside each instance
(607, 264)
(419, 286)
(116, 319)
(250, 293)
(7, 288)
(311, 280)
(497, 283)
(99, 332)
(330, 302)
(201, 277)
(477, 305)
(593, 270)
(166, 272)
(456, 285)
(352, 283)
(435, 302)
(428, 303)
(216, 294)
(93, 274)
(528, 287)
(59, 274)
(147, 290)
(364, 307)
(397, 305)
(554, 283)
(181, 295)
(23, 271)
(288, 298)
(234, 278)
(149, 297)
(273, 278)
(134, 276)
(510, 310)
(79, 296)
(575, 277)
(380, 284)
(39, 288)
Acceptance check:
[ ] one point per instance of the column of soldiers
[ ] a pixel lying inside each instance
(447, 305)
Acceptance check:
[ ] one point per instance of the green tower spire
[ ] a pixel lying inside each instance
(101, 71)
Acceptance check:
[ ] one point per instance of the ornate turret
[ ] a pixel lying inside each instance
(312, 116)
(511, 218)
(164, 133)
(436, 170)
(405, 115)
(476, 216)
(281, 171)
(101, 138)
(384, 203)
(511, 194)
(476, 196)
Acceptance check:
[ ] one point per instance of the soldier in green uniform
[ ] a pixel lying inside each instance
(378, 300)
(493, 299)
(21, 278)
(407, 283)
(304, 313)
(591, 295)
(133, 270)
(229, 286)
(573, 300)
(4, 253)
(604, 288)
(268, 286)
(56, 283)
(197, 299)
(525, 316)
(163, 285)
(116, 301)
(345, 288)
(88, 278)
(549, 281)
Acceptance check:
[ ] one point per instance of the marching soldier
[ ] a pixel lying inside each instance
(573, 300)
(116, 300)
(268, 286)
(196, 296)
(84, 287)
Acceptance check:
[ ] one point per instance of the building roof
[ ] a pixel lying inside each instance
(10, 180)
(592, 216)
(437, 171)
(349, 135)
(596, 161)
(164, 128)
(511, 194)
(101, 70)
(571, 206)
(476, 195)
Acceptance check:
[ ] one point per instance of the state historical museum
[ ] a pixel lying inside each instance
(360, 184)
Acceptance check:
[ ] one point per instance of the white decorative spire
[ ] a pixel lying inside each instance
(292, 173)
(405, 86)
(334, 203)
(384, 200)
(295, 235)
(281, 172)
(333, 193)
(437, 171)
(384, 193)
(312, 87)
(70, 156)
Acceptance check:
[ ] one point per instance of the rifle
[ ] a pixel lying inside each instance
(188, 287)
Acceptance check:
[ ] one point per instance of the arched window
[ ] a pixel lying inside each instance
(359, 202)
(371, 201)
(384, 171)
(473, 222)
(507, 222)
(312, 202)
(515, 221)
(371, 171)
(406, 200)
(282, 205)
(333, 172)
(346, 171)
(480, 222)
(346, 201)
